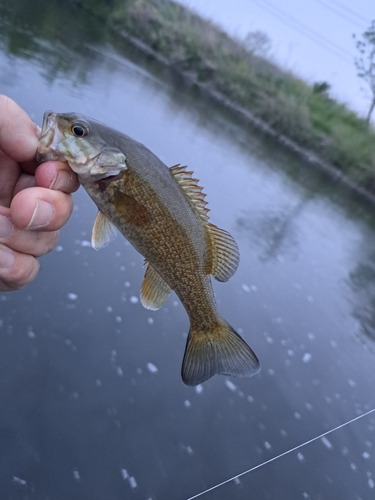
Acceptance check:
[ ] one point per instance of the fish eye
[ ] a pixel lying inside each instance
(79, 130)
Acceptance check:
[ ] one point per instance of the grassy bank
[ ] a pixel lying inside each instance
(305, 118)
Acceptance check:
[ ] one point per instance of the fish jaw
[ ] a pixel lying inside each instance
(87, 154)
(49, 139)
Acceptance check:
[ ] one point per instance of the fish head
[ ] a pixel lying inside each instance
(79, 140)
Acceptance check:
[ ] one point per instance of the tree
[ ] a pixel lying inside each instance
(321, 88)
(365, 63)
(258, 43)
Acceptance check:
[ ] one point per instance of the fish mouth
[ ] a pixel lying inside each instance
(48, 139)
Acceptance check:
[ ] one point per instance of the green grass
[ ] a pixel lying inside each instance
(209, 56)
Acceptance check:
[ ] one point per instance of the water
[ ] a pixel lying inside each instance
(91, 401)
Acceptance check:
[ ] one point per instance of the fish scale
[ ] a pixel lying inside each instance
(163, 214)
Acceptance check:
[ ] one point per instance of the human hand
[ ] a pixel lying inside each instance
(35, 201)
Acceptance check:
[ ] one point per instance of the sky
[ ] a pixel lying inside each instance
(312, 38)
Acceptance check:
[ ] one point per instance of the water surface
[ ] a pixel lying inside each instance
(91, 401)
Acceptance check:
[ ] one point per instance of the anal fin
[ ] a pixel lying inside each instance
(154, 290)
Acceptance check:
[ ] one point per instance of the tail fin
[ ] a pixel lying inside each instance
(221, 351)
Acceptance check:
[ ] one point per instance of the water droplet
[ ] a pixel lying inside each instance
(18, 480)
(326, 443)
(76, 476)
(306, 357)
(230, 385)
(152, 368)
(133, 483)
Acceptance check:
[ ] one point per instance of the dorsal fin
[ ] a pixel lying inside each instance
(225, 253)
(190, 187)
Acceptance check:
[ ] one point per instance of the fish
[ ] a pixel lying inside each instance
(162, 212)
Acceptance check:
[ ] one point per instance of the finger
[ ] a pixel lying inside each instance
(40, 209)
(16, 269)
(35, 243)
(18, 134)
(57, 175)
(24, 181)
(9, 173)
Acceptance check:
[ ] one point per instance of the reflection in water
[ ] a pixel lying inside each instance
(362, 283)
(91, 403)
(50, 33)
(275, 234)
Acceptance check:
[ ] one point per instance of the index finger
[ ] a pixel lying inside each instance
(56, 175)
(18, 133)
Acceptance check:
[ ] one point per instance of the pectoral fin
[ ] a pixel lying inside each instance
(225, 254)
(154, 290)
(103, 232)
(130, 209)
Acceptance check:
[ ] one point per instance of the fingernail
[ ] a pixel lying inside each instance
(43, 213)
(5, 226)
(7, 258)
(61, 180)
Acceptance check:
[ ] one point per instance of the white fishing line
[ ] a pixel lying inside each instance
(282, 454)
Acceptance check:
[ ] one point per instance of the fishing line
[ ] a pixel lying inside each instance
(283, 454)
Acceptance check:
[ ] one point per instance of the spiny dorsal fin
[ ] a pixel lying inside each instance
(190, 187)
(103, 231)
(154, 290)
(225, 253)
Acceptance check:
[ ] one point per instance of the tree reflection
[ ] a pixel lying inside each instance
(274, 233)
(362, 281)
(54, 35)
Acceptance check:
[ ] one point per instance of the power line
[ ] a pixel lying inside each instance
(305, 31)
(350, 11)
(332, 9)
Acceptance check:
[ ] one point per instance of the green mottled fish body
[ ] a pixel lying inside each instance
(161, 212)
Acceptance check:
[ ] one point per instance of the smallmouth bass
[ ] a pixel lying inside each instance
(161, 211)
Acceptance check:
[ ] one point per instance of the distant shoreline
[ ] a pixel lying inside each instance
(322, 132)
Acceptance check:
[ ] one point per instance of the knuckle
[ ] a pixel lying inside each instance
(53, 236)
(22, 273)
